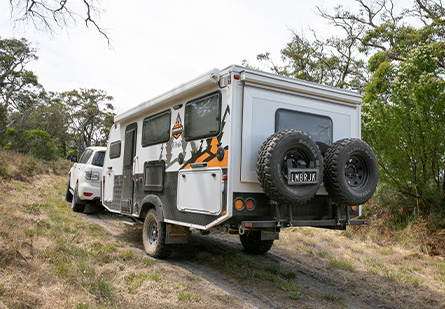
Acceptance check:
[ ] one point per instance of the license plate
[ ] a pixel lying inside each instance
(302, 176)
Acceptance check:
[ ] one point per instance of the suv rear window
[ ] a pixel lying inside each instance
(202, 117)
(319, 128)
(98, 159)
(85, 156)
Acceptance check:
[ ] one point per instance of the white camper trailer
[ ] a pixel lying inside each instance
(240, 150)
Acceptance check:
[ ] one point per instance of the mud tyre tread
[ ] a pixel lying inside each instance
(350, 188)
(269, 167)
(253, 244)
(153, 236)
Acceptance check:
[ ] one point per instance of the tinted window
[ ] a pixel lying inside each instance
(202, 117)
(156, 129)
(98, 159)
(85, 156)
(319, 128)
(129, 146)
(115, 150)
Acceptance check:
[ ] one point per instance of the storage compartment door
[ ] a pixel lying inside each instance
(108, 186)
(199, 191)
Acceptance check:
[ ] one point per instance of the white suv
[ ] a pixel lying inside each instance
(84, 178)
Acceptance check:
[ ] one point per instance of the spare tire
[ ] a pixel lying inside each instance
(290, 153)
(350, 172)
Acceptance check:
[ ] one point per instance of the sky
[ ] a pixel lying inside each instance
(157, 45)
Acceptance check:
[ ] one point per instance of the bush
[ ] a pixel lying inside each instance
(35, 142)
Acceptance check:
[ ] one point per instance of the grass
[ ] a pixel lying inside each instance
(342, 264)
(53, 257)
(189, 296)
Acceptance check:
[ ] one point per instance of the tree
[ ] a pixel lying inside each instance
(17, 84)
(403, 120)
(331, 62)
(403, 107)
(90, 116)
(14, 78)
(47, 15)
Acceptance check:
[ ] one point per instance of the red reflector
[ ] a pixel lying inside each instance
(247, 224)
(236, 76)
(224, 177)
(87, 194)
(366, 222)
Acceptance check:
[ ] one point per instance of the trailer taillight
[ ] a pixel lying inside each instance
(250, 204)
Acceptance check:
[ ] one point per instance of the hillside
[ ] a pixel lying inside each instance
(52, 257)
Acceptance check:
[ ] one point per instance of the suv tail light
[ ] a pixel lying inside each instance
(90, 175)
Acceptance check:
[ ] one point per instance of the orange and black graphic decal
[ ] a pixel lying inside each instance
(210, 150)
(177, 128)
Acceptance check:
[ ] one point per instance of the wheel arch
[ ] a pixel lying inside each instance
(149, 202)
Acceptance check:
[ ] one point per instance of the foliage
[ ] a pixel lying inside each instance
(403, 117)
(15, 80)
(36, 120)
(403, 121)
(91, 115)
(35, 142)
(330, 62)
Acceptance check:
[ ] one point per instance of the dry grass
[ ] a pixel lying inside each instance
(51, 258)
(16, 166)
(350, 251)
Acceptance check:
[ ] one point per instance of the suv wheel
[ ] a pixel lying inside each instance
(351, 172)
(68, 195)
(284, 150)
(76, 204)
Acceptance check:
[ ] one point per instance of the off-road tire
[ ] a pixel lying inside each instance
(252, 243)
(68, 194)
(272, 167)
(153, 236)
(76, 204)
(350, 172)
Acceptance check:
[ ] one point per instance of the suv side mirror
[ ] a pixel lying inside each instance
(73, 158)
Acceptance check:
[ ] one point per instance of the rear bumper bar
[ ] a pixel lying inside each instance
(313, 223)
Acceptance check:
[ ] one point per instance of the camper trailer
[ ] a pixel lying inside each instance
(241, 151)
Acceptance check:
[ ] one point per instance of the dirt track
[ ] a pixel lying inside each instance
(320, 286)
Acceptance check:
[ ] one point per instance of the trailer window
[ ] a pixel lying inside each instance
(156, 129)
(115, 150)
(202, 117)
(319, 128)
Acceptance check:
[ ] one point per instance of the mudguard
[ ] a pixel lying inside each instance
(148, 202)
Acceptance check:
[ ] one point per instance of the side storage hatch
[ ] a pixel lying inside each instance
(200, 190)
(108, 187)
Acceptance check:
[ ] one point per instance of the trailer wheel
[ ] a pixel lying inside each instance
(281, 151)
(351, 172)
(153, 236)
(68, 194)
(76, 204)
(252, 242)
